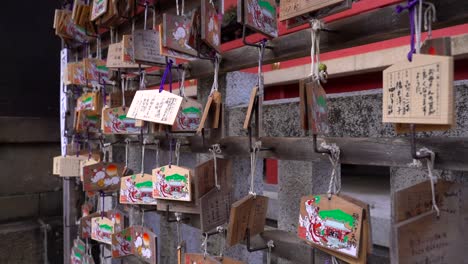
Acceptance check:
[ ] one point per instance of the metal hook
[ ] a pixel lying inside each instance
(416, 154)
(177, 219)
(268, 246)
(316, 149)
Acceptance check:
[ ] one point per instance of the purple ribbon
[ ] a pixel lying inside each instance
(167, 72)
(411, 9)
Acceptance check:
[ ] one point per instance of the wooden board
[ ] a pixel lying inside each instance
(145, 244)
(189, 116)
(210, 25)
(165, 51)
(87, 162)
(146, 47)
(205, 177)
(260, 16)
(122, 243)
(115, 121)
(176, 33)
(318, 14)
(154, 106)
(137, 189)
(196, 258)
(89, 102)
(75, 74)
(102, 229)
(206, 111)
(172, 183)
(115, 58)
(192, 207)
(250, 108)
(102, 176)
(68, 166)
(249, 212)
(334, 224)
(96, 71)
(87, 121)
(214, 208)
(99, 9)
(292, 8)
(419, 92)
(317, 110)
(85, 225)
(228, 260)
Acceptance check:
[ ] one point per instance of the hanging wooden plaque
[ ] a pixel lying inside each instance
(122, 243)
(176, 31)
(115, 58)
(137, 189)
(99, 9)
(87, 162)
(211, 112)
(146, 47)
(96, 71)
(205, 177)
(68, 166)
(85, 225)
(75, 74)
(228, 260)
(318, 14)
(249, 212)
(189, 116)
(102, 229)
(115, 121)
(154, 106)
(172, 183)
(165, 51)
(102, 176)
(334, 224)
(214, 208)
(192, 207)
(419, 92)
(250, 108)
(86, 121)
(144, 244)
(210, 25)
(259, 16)
(76, 257)
(317, 110)
(196, 258)
(89, 102)
(292, 8)
(80, 245)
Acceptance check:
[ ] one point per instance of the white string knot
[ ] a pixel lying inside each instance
(430, 171)
(216, 63)
(270, 245)
(430, 16)
(317, 72)
(215, 149)
(204, 246)
(334, 157)
(253, 165)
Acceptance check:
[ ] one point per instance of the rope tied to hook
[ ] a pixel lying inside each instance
(430, 172)
(318, 71)
(253, 165)
(216, 150)
(334, 157)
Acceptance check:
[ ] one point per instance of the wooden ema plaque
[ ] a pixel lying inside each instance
(85, 225)
(102, 176)
(212, 113)
(154, 106)
(96, 71)
(75, 74)
(195, 258)
(68, 166)
(250, 108)
(115, 58)
(189, 117)
(214, 209)
(249, 212)
(99, 9)
(259, 16)
(176, 31)
(137, 189)
(144, 244)
(192, 207)
(87, 121)
(419, 92)
(122, 243)
(318, 14)
(210, 25)
(102, 229)
(87, 162)
(206, 178)
(334, 224)
(146, 47)
(172, 183)
(115, 121)
(292, 8)
(195, 38)
(313, 106)
(89, 102)
(165, 51)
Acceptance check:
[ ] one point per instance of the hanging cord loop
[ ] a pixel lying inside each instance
(261, 52)
(124, 83)
(145, 141)
(167, 74)
(157, 143)
(253, 166)
(204, 245)
(270, 245)
(216, 150)
(182, 83)
(334, 156)
(222, 246)
(177, 152)
(216, 62)
(415, 17)
(318, 71)
(127, 147)
(430, 16)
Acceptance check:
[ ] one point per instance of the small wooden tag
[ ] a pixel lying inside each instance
(86, 162)
(260, 16)
(79, 245)
(68, 166)
(212, 111)
(85, 225)
(102, 176)
(189, 117)
(115, 58)
(102, 229)
(196, 258)
(250, 109)
(122, 243)
(214, 208)
(115, 121)
(146, 47)
(99, 9)
(293, 8)
(334, 224)
(317, 110)
(89, 102)
(165, 51)
(419, 92)
(154, 106)
(96, 71)
(176, 30)
(144, 244)
(137, 189)
(172, 183)
(205, 176)
(87, 121)
(210, 25)
(249, 212)
(75, 74)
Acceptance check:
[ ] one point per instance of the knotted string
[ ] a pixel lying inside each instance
(215, 149)
(270, 245)
(216, 62)
(170, 152)
(142, 80)
(181, 12)
(205, 245)
(127, 143)
(253, 165)
(157, 154)
(315, 72)
(167, 73)
(430, 172)
(334, 156)
(412, 13)
(430, 16)
(220, 230)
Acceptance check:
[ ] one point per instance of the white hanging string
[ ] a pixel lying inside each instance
(270, 245)
(335, 183)
(216, 62)
(204, 246)
(261, 52)
(178, 218)
(220, 230)
(182, 85)
(143, 156)
(177, 152)
(430, 172)
(142, 80)
(215, 149)
(124, 87)
(418, 25)
(430, 16)
(315, 72)
(253, 165)
(334, 260)
(146, 15)
(157, 154)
